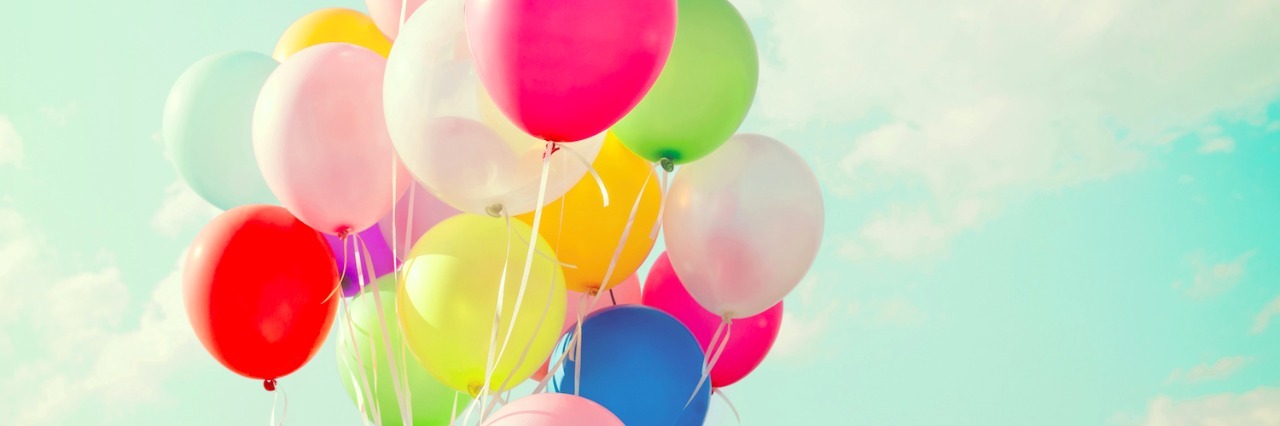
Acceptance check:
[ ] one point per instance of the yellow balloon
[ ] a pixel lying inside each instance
(333, 25)
(591, 231)
(450, 289)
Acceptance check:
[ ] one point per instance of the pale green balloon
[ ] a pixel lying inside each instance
(704, 91)
(431, 401)
(208, 128)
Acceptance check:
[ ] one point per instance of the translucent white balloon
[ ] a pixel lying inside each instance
(743, 225)
(450, 135)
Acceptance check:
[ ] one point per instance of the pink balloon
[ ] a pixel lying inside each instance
(749, 338)
(625, 293)
(321, 140)
(553, 409)
(386, 14)
(566, 70)
(427, 211)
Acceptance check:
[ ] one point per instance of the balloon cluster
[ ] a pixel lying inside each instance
(477, 183)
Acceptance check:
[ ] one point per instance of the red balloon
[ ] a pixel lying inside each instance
(749, 340)
(255, 283)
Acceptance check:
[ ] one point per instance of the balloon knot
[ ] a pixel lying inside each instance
(553, 147)
(269, 385)
(474, 389)
(593, 291)
(667, 164)
(727, 317)
(343, 233)
(494, 210)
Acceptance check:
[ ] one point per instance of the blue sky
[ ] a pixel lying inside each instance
(1054, 213)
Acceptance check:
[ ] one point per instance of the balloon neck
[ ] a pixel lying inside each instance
(593, 291)
(727, 317)
(552, 147)
(474, 390)
(495, 210)
(344, 232)
(269, 385)
(667, 164)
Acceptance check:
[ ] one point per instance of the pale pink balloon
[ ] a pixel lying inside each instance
(564, 70)
(386, 14)
(743, 225)
(321, 140)
(553, 409)
(426, 210)
(749, 340)
(625, 293)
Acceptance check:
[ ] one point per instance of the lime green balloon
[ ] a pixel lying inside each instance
(432, 402)
(704, 91)
(208, 128)
(450, 290)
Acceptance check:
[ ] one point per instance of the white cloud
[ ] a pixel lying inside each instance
(1213, 279)
(61, 115)
(1214, 140)
(181, 207)
(800, 334)
(10, 143)
(1264, 318)
(1220, 369)
(1258, 407)
(902, 233)
(900, 313)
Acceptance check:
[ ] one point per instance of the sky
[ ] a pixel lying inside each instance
(1053, 213)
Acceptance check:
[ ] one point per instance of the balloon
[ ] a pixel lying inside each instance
(432, 401)
(321, 142)
(208, 128)
(564, 70)
(589, 233)
(703, 93)
(553, 409)
(255, 284)
(476, 161)
(387, 13)
(450, 291)
(749, 338)
(626, 293)
(743, 225)
(639, 363)
(348, 270)
(427, 211)
(332, 25)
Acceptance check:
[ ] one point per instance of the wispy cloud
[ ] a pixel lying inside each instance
(1264, 318)
(1220, 369)
(1214, 278)
(1258, 407)
(61, 115)
(803, 328)
(181, 208)
(10, 144)
(1214, 140)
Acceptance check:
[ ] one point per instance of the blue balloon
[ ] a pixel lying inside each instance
(640, 363)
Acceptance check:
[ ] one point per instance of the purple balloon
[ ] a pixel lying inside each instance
(379, 252)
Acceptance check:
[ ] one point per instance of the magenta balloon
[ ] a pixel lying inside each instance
(427, 211)
(553, 409)
(566, 70)
(379, 254)
(743, 225)
(386, 14)
(321, 140)
(749, 339)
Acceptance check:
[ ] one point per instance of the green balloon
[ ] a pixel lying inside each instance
(208, 128)
(432, 402)
(704, 91)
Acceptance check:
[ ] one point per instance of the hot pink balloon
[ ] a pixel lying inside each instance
(750, 338)
(553, 409)
(386, 14)
(321, 140)
(625, 293)
(426, 211)
(566, 70)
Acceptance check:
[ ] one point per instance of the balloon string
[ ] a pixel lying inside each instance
(404, 377)
(725, 397)
(604, 192)
(408, 226)
(284, 409)
(545, 255)
(577, 357)
(360, 397)
(453, 414)
(568, 350)
(343, 276)
(662, 206)
(371, 402)
(626, 231)
(373, 358)
(726, 325)
(386, 341)
(490, 361)
(533, 239)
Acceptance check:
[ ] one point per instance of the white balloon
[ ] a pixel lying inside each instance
(743, 225)
(451, 137)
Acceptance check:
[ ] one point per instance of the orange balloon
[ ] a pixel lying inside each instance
(591, 232)
(333, 25)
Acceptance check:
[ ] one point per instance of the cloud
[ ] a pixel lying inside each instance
(1213, 140)
(1258, 407)
(181, 208)
(1212, 280)
(907, 233)
(802, 330)
(1220, 369)
(10, 144)
(1264, 318)
(900, 313)
(61, 115)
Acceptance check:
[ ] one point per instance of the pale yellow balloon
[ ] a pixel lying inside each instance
(449, 293)
(332, 25)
